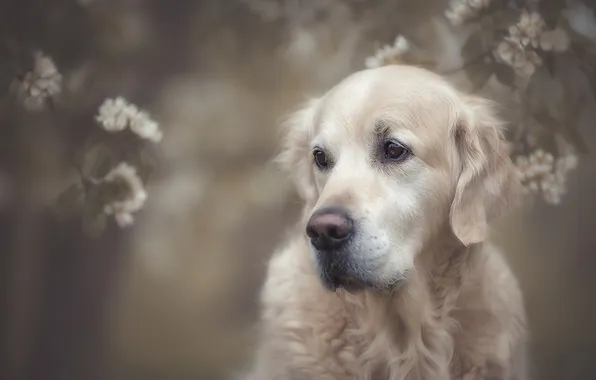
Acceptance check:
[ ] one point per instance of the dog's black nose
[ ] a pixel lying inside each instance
(329, 228)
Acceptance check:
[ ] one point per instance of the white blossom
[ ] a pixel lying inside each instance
(388, 54)
(541, 162)
(521, 59)
(40, 84)
(518, 48)
(134, 197)
(124, 219)
(552, 187)
(461, 11)
(145, 127)
(522, 165)
(116, 114)
(528, 29)
(541, 173)
(538, 163)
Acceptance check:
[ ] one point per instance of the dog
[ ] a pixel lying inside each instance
(389, 275)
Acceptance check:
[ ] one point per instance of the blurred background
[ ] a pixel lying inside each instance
(138, 203)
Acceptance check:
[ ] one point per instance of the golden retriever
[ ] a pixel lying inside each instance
(389, 276)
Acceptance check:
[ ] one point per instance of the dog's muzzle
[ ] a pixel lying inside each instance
(330, 230)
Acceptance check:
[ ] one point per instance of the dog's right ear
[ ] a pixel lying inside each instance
(295, 158)
(487, 185)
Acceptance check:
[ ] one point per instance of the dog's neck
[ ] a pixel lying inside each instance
(443, 265)
(414, 321)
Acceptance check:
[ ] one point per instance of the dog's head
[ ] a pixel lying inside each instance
(385, 161)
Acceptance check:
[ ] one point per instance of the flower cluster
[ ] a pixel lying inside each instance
(518, 48)
(117, 114)
(522, 47)
(130, 195)
(461, 11)
(541, 172)
(389, 54)
(126, 192)
(37, 86)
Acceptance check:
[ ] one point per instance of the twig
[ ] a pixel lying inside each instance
(87, 182)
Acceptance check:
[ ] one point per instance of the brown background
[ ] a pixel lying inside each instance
(175, 297)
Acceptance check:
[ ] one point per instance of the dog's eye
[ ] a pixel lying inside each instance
(395, 151)
(320, 158)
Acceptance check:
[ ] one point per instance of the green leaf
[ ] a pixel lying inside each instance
(550, 11)
(98, 159)
(549, 63)
(94, 218)
(505, 75)
(548, 122)
(148, 164)
(573, 137)
(590, 73)
(548, 142)
(572, 124)
(94, 224)
(473, 48)
(478, 63)
(568, 128)
(504, 17)
(479, 74)
(592, 5)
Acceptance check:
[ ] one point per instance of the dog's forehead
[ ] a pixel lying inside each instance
(397, 82)
(405, 98)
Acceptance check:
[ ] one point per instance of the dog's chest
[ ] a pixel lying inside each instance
(344, 349)
(350, 348)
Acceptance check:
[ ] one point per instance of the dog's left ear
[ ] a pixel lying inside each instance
(487, 185)
(295, 158)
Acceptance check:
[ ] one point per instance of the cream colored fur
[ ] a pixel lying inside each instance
(459, 312)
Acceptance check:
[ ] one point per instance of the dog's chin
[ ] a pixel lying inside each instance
(356, 283)
(344, 282)
(339, 270)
